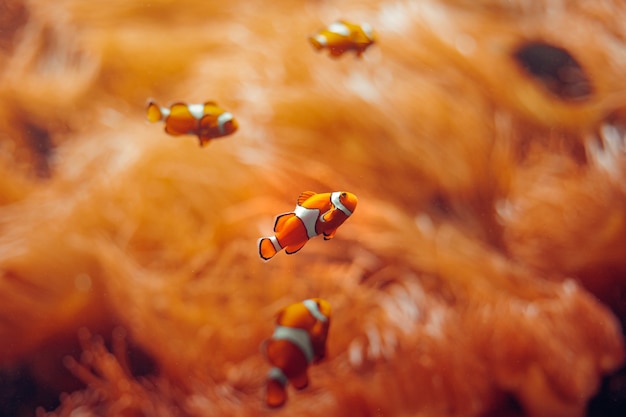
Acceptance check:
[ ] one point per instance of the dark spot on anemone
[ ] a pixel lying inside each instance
(20, 393)
(610, 401)
(555, 69)
(40, 143)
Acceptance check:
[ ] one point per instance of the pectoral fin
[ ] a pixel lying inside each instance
(207, 122)
(329, 215)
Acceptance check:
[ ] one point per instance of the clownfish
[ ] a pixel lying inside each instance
(342, 36)
(207, 121)
(315, 214)
(299, 340)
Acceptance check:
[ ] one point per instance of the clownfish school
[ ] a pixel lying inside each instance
(301, 330)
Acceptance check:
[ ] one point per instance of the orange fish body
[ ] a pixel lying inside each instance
(315, 214)
(342, 36)
(207, 121)
(299, 340)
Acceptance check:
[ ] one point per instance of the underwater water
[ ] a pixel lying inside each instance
(480, 274)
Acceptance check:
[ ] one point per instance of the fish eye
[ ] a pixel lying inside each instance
(344, 194)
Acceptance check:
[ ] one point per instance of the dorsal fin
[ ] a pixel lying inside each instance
(304, 196)
(281, 219)
(180, 110)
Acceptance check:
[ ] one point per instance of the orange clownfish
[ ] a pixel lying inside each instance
(315, 214)
(342, 36)
(299, 339)
(207, 121)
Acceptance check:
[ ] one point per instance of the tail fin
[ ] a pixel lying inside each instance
(267, 250)
(318, 41)
(275, 391)
(154, 112)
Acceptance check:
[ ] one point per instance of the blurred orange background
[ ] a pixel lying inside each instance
(481, 274)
